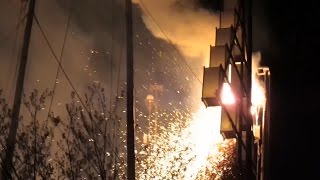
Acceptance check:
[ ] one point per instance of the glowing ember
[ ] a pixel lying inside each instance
(188, 148)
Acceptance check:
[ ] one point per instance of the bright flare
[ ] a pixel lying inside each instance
(257, 94)
(189, 148)
(258, 98)
(227, 96)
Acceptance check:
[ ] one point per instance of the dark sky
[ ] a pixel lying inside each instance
(295, 97)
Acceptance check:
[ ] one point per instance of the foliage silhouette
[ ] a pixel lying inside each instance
(32, 152)
(92, 139)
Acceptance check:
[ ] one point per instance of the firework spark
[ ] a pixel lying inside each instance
(188, 147)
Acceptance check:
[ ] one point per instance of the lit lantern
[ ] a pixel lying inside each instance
(223, 36)
(226, 128)
(228, 114)
(234, 74)
(218, 55)
(227, 96)
(211, 80)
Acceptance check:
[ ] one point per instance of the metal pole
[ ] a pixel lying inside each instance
(11, 141)
(130, 97)
(266, 131)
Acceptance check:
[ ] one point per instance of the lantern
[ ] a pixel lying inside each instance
(226, 128)
(218, 55)
(223, 36)
(211, 80)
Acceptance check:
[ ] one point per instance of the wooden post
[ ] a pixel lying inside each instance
(130, 97)
(11, 141)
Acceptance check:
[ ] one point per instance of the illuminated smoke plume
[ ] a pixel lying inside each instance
(187, 26)
(189, 145)
(192, 137)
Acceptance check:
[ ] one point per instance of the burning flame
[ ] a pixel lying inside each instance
(258, 102)
(257, 94)
(257, 90)
(189, 148)
(227, 96)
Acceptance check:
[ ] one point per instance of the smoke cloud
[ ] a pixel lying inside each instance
(183, 23)
(256, 59)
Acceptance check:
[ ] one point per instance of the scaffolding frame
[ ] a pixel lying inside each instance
(235, 36)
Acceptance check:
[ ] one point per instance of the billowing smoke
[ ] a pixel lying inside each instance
(183, 23)
(256, 59)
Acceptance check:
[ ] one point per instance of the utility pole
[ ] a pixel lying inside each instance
(11, 141)
(130, 97)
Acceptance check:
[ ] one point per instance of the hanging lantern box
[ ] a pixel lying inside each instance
(226, 128)
(218, 55)
(223, 36)
(211, 80)
(238, 71)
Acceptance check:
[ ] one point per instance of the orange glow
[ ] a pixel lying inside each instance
(257, 90)
(253, 110)
(258, 97)
(227, 96)
(184, 150)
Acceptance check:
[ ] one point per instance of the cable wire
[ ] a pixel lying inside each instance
(111, 54)
(64, 72)
(62, 69)
(119, 66)
(60, 59)
(13, 52)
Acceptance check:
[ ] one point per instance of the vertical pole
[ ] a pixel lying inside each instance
(242, 72)
(266, 135)
(11, 141)
(130, 98)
